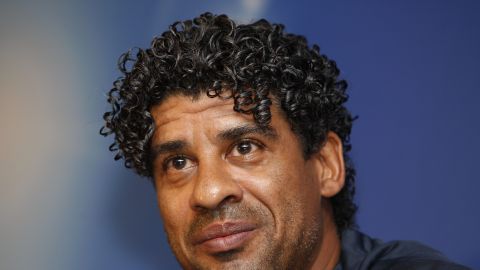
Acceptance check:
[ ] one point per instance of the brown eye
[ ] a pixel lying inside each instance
(177, 163)
(244, 148)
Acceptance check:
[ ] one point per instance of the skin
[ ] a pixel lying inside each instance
(214, 167)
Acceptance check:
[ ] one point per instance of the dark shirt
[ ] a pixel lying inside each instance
(361, 252)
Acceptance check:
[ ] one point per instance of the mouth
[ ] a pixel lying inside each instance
(222, 237)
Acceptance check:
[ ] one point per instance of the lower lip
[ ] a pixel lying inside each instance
(226, 243)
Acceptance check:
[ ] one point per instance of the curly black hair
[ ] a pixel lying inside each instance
(251, 63)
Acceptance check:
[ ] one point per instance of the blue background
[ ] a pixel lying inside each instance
(412, 67)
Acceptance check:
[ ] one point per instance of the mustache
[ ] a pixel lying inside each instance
(230, 212)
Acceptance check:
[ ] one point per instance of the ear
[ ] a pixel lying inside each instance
(330, 166)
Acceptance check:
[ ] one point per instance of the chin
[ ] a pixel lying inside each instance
(237, 264)
(234, 259)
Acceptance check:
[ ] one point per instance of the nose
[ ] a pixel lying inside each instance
(214, 186)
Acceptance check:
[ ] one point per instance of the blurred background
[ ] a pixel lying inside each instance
(413, 71)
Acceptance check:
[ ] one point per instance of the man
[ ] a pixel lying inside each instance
(244, 132)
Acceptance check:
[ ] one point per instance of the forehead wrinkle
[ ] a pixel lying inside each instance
(177, 107)
(188, 112)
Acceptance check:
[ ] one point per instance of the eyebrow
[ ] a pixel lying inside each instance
(167, 147)
(230, 134)
(236, 133)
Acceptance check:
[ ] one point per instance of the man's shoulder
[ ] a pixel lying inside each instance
(360, 251)
(417, 264)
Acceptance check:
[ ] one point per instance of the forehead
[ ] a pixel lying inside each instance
(179, 107)
(179, 116)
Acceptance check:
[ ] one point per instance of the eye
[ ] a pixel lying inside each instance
(244, 148)
(177, 163)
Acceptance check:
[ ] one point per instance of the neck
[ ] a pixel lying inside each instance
(329, 251)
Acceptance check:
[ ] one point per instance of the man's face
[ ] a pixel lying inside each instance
(233, 195)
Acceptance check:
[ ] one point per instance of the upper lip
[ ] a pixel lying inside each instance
(223, 229)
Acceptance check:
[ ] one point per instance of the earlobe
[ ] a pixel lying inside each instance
(331, 167)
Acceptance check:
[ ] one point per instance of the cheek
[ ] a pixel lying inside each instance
(276, 183)
(293, 191)
(174, 210)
